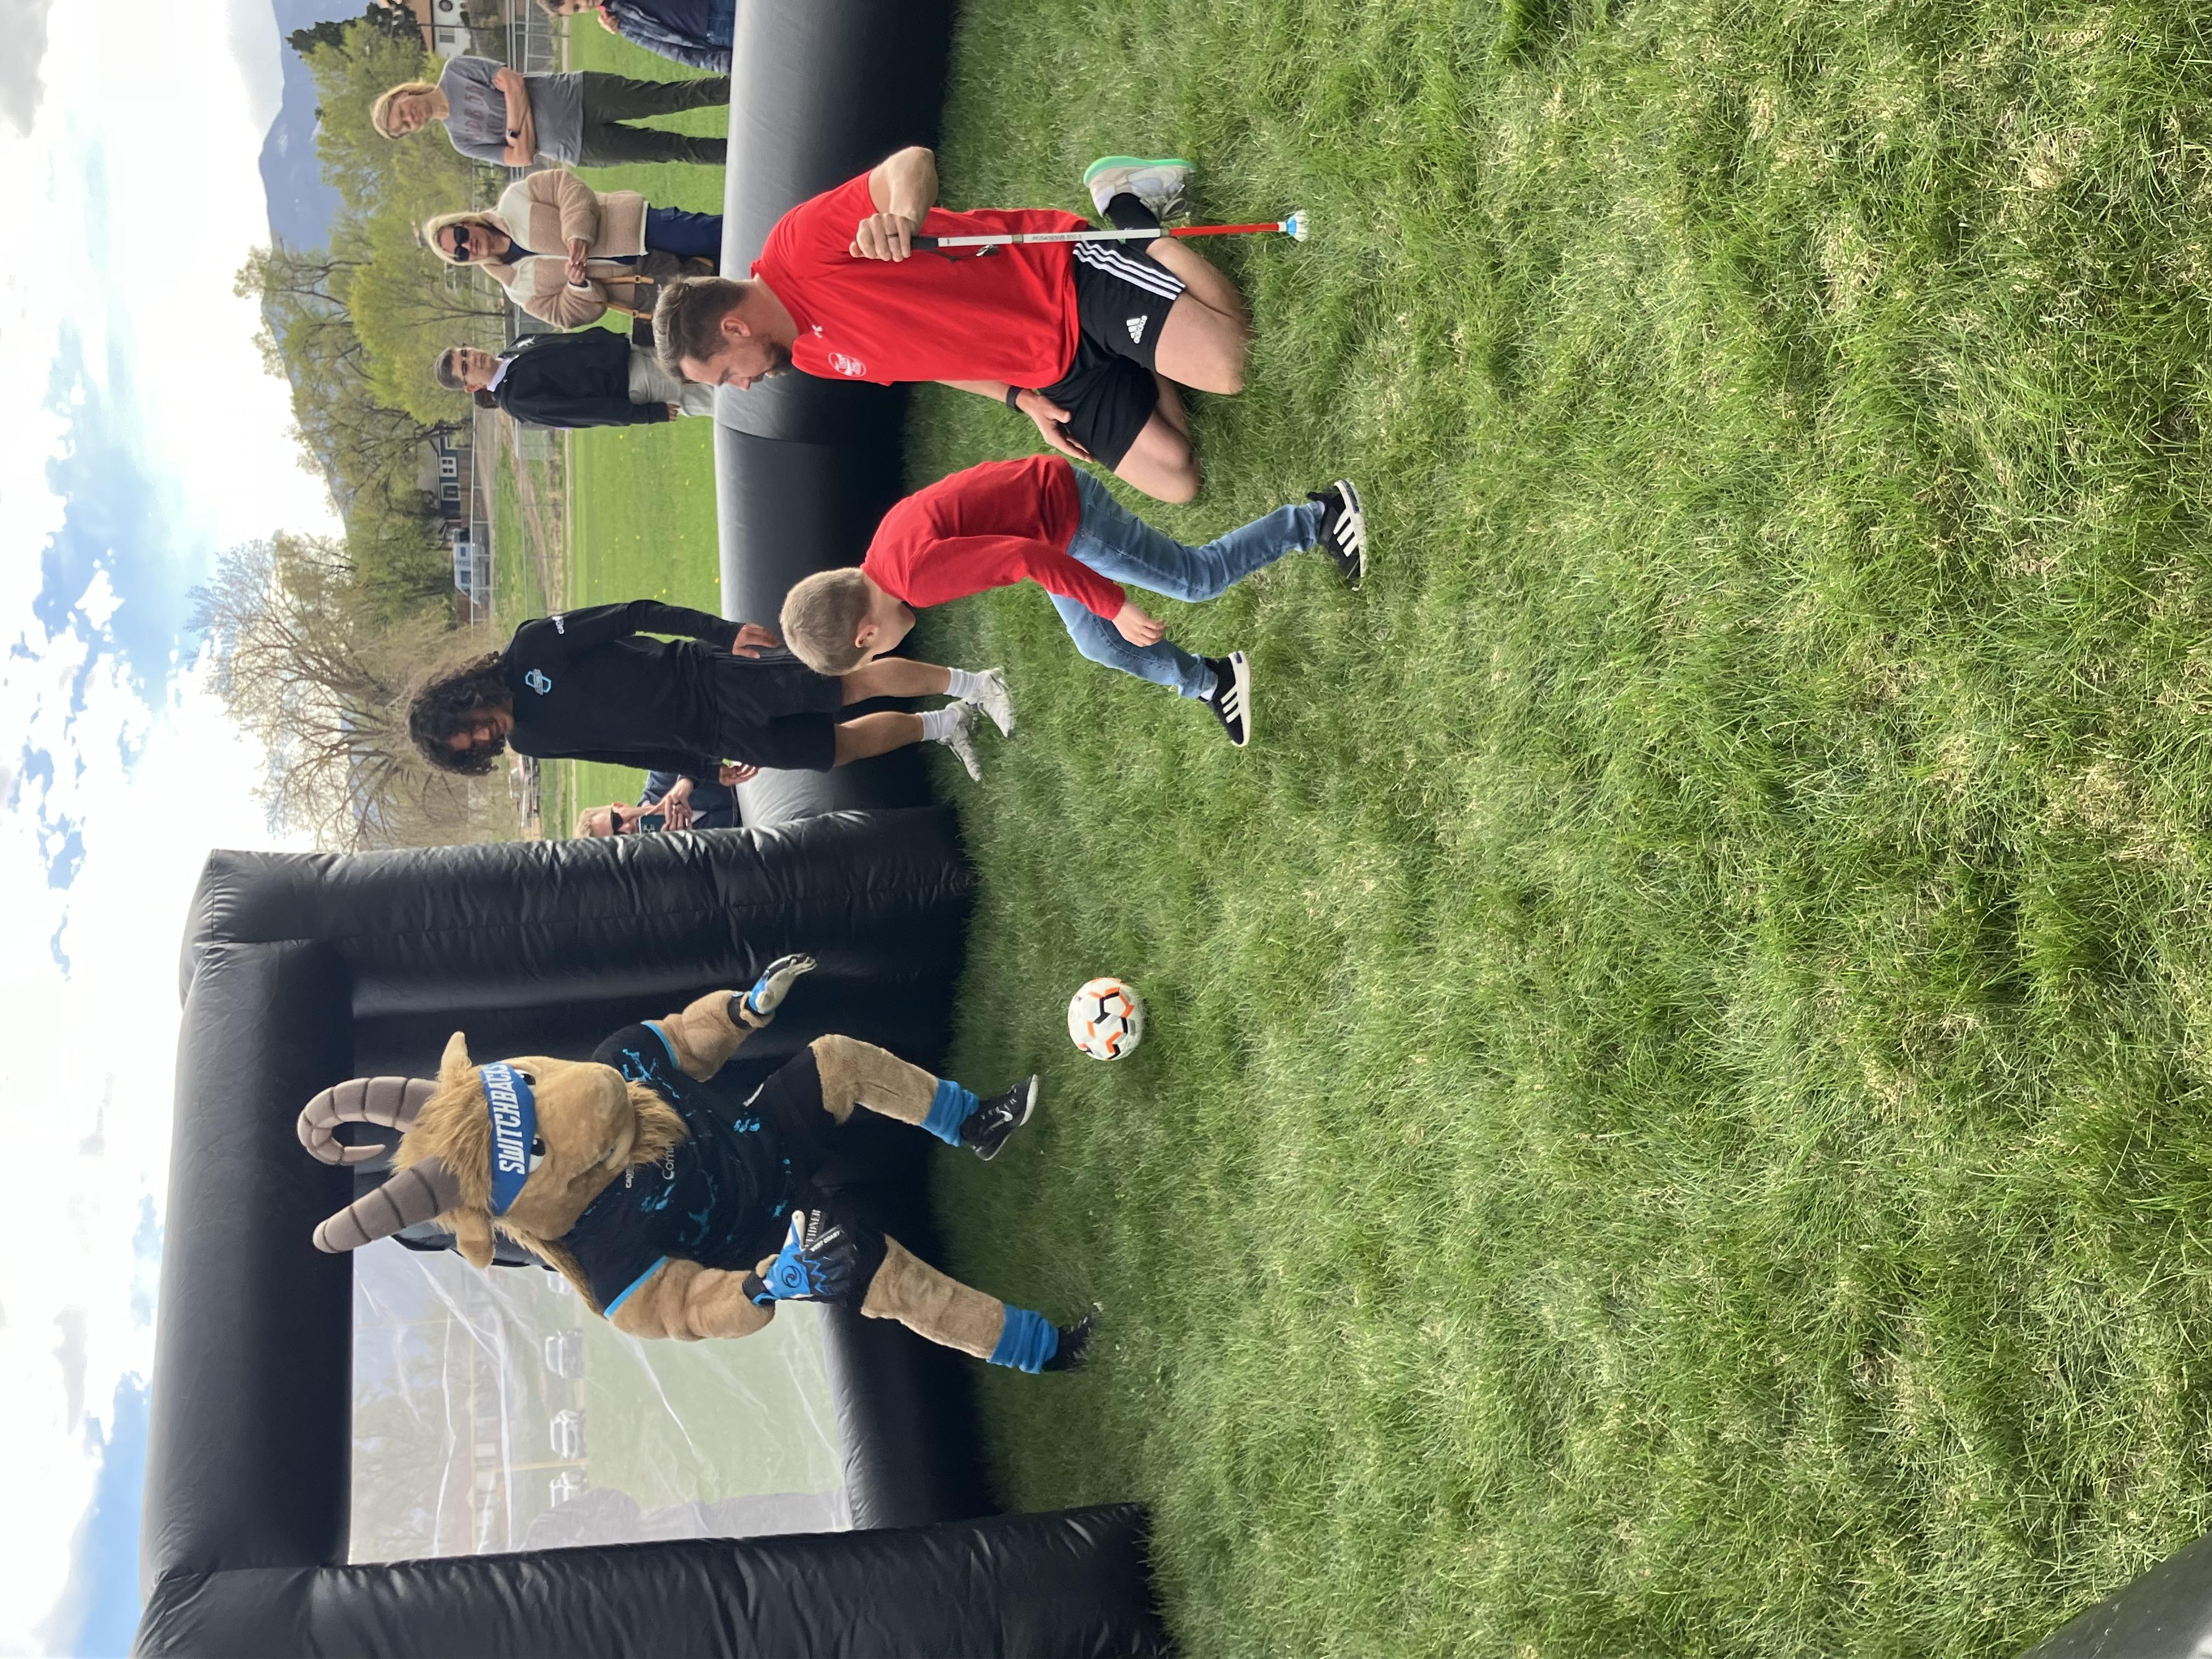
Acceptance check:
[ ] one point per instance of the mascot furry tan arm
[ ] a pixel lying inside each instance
(673, 1213)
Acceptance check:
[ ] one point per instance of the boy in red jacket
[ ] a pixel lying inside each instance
(1041, 521)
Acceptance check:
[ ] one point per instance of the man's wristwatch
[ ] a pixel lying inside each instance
(1014, 397)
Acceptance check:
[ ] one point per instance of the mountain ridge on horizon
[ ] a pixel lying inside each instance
(301, 204)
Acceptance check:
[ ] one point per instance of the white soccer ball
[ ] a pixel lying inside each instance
(1106, 1019)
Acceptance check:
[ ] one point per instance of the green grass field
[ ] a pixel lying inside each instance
(1674, 1120)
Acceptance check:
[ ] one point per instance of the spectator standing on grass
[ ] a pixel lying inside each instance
(591, 377)
(567, 253)
(1041, 521)
(503, 118)
(685, 802)
(694, 33)
(587, 685)
(1090, 340)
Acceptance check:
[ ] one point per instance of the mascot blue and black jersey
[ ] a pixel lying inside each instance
(722, 1196)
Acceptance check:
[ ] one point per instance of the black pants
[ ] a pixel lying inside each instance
(611, 101)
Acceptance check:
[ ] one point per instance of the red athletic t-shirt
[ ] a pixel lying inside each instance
(991, 526)
(1009, 316)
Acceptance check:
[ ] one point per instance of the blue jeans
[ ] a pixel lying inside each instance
(1123, 548)
(673, 230)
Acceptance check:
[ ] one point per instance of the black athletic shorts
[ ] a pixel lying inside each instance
(1122, 303)
(788, 1103)
(776, 712)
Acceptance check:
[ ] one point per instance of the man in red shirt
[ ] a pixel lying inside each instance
(1088, 340)
(1041, 521)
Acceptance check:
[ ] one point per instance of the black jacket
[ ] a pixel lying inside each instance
(573, 379)
(587, 686)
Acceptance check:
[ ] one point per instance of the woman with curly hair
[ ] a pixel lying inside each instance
(496, 115)
(588, 685)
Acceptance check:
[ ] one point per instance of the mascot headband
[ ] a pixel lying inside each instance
(513, 1129)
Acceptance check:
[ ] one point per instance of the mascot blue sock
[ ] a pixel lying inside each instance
(949, 1108)
(1029, 1340)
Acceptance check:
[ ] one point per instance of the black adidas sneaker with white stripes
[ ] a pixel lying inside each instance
(1343, 530)
(1231, 700)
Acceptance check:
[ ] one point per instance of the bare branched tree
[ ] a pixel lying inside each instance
(313, 671)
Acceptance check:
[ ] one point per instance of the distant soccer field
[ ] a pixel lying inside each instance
(642, 526)
(641, 518)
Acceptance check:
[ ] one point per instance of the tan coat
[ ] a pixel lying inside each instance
(544, 211)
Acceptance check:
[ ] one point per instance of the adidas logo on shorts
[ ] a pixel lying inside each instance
(1136, 327)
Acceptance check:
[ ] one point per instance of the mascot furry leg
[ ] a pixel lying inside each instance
(661, 1205)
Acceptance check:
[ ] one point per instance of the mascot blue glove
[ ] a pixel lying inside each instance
(821, 1261)
(757, 1006)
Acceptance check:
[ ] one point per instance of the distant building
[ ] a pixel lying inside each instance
(471, 576)
(567, 1434)
(445, 470)
(446, 29)
(564, 1352)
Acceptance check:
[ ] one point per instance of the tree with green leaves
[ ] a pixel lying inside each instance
(405, 303)
(395, 21)
(367, 450)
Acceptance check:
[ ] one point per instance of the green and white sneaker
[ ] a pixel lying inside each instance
(1163, 185)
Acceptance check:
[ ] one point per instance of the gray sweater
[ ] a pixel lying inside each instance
(477, 124)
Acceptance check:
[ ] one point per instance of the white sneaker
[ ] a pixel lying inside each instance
(994, 699)
(960, 738)
(1163, 185)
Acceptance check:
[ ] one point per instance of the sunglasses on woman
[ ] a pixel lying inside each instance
(460, 236)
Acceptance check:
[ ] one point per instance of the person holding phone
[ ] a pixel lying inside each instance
(670, 801)
(565, 253)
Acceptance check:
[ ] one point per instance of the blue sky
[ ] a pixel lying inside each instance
(143, 437)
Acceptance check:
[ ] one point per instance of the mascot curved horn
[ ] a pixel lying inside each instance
(392, 1101)
(417, 1193)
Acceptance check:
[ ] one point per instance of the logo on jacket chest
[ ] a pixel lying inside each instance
(538, 681)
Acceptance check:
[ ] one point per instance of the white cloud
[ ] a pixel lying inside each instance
(144, 239)
(23, 27)
(86, 1061)
(137, 183)
(258, 52)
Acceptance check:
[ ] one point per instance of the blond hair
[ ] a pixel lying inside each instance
(821, 615)
(588, 821)
(475, 220)
(380, 112)
(687, 321)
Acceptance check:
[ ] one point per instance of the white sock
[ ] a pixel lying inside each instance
(938, 724)
(964, 685)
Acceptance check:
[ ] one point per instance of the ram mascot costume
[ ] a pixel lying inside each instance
(673, 1213)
